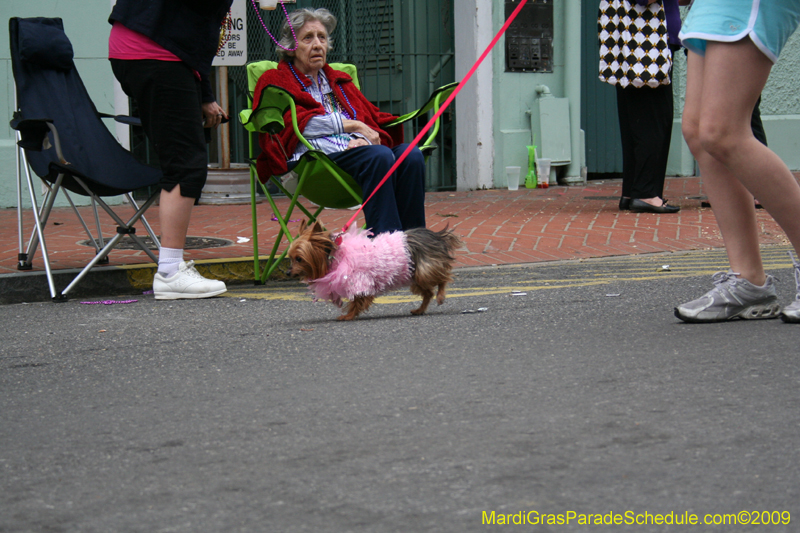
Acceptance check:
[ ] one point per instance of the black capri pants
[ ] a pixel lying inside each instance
(169, 99)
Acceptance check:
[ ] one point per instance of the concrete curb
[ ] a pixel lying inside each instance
(117, 280)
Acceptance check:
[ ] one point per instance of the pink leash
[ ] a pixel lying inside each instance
(439, 112)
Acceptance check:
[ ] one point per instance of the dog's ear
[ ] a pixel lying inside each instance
(318, 227)
(303, 224)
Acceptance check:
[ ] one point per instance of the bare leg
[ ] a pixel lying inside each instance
(174, 213)
(176, 279)
(735, 166)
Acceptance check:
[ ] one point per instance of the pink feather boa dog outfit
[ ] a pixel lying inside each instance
(361, 266)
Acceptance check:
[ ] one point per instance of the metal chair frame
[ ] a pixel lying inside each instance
(38, 134)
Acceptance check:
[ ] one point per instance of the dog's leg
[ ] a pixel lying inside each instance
(357, 306)
(440, 293)
(427, 295)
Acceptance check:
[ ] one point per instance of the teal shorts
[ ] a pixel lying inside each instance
(768, 23)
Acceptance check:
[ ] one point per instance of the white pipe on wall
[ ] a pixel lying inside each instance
(474, 127)
(572, 85)
(121, 107)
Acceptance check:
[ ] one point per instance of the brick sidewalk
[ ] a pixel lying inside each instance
(497, 226)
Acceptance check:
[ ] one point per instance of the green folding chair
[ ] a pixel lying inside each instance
(319, 180)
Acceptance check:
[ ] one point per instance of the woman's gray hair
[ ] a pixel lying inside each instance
(298, 19)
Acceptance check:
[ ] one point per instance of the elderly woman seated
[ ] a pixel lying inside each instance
(337, 119)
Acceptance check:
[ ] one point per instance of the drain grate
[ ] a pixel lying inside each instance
(192, 243)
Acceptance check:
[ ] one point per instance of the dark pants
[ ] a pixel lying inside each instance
(645, 124)
(400, 203)
(756, 125)
(169, 100)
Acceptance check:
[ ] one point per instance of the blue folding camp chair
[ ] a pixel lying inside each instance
(62, 139)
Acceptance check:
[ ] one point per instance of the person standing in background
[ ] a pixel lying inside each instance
(161, 53)
(637, 39)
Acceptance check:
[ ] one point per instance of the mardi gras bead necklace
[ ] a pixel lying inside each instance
(225, 31)
(263, 25)
(332, 96)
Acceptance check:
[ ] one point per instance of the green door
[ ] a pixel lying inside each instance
(598, 103)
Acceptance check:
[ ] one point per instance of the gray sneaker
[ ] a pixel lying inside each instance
(732, 297)
(791, 313)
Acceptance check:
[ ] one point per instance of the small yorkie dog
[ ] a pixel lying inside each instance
(359, 268)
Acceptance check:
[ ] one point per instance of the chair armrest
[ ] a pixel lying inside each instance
(123, 119)
(268, 116)
(434, 102)
(33, 132)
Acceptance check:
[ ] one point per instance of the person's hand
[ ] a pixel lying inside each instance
(355, 143)
(356, 126)
(213, 115)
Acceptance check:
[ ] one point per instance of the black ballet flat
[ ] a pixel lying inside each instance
(640, 206)
(624, 204)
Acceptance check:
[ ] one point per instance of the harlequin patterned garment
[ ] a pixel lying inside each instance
(633, 44)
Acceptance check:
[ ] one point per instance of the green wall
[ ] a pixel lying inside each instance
(514, 97)
(516, 101)
(514, 94)
(85, 22)
(780, 111)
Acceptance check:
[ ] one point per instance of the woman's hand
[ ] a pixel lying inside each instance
(355, 143)
(356, 126)
(212, 115)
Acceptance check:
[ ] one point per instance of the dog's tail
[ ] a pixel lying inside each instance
(451, 240)
(443, 243)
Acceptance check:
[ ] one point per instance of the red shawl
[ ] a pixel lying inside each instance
(276, 149)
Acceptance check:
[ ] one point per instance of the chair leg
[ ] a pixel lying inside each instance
(254, 220)
(139, 216)
(21, 256)
(283, 219)
(146, 224)
(123, 228)
(95, 260)
(273, 261)
(44, 215)
(97, 247)
(260, 276)
(39, 233)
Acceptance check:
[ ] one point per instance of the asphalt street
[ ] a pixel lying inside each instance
(546, 389)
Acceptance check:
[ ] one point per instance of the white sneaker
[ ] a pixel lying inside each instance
(186, 283)
(791, 313)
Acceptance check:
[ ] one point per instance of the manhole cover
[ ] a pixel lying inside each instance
(192, 243)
